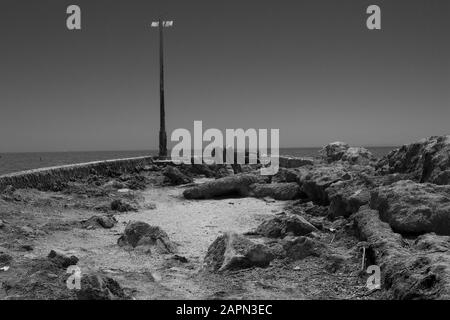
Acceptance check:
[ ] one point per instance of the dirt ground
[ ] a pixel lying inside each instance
(35, 222)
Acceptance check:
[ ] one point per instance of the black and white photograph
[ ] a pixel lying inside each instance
(235, 152)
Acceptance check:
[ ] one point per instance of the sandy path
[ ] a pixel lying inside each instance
(192, 224)
(195, 224)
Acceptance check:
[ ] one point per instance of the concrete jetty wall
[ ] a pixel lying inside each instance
(45, 178)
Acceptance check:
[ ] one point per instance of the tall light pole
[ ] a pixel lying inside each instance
(162, 114)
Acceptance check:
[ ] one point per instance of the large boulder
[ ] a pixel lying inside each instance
(341, 151)
(141, 234)
(237, 185)
(333, 151)
(413, 208)
(277, 191)
(315, 180)
(347, 196)
(427, 160)
(231, 251)
(281, 226)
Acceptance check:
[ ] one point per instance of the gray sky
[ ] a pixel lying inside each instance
(308, 67)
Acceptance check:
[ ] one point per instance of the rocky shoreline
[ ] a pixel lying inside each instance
(343, 211)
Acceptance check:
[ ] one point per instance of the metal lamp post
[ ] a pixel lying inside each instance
(162, 116)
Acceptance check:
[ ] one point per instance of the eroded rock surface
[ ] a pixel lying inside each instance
(417, 271)
(231, 251)
(298, 248)
(281, 226)
(277, 191)
(95, 286)
(414, 208)
(315, 180)
(141, 234)
(237, 185)
(427, 160)
(347, 196)
(333, 151)
(341, 151)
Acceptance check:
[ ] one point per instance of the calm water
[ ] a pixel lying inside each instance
(13, 162)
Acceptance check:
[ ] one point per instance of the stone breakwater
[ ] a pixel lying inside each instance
(47, 178)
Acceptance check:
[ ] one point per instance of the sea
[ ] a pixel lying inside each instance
(15, 162)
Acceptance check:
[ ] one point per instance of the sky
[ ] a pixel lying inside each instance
(309, 68)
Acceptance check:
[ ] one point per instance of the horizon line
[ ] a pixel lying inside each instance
(156, 150)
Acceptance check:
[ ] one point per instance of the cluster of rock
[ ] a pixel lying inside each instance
(48, 278)
(405, 194)
(294, 240)
(51, 273)
(400, 198)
